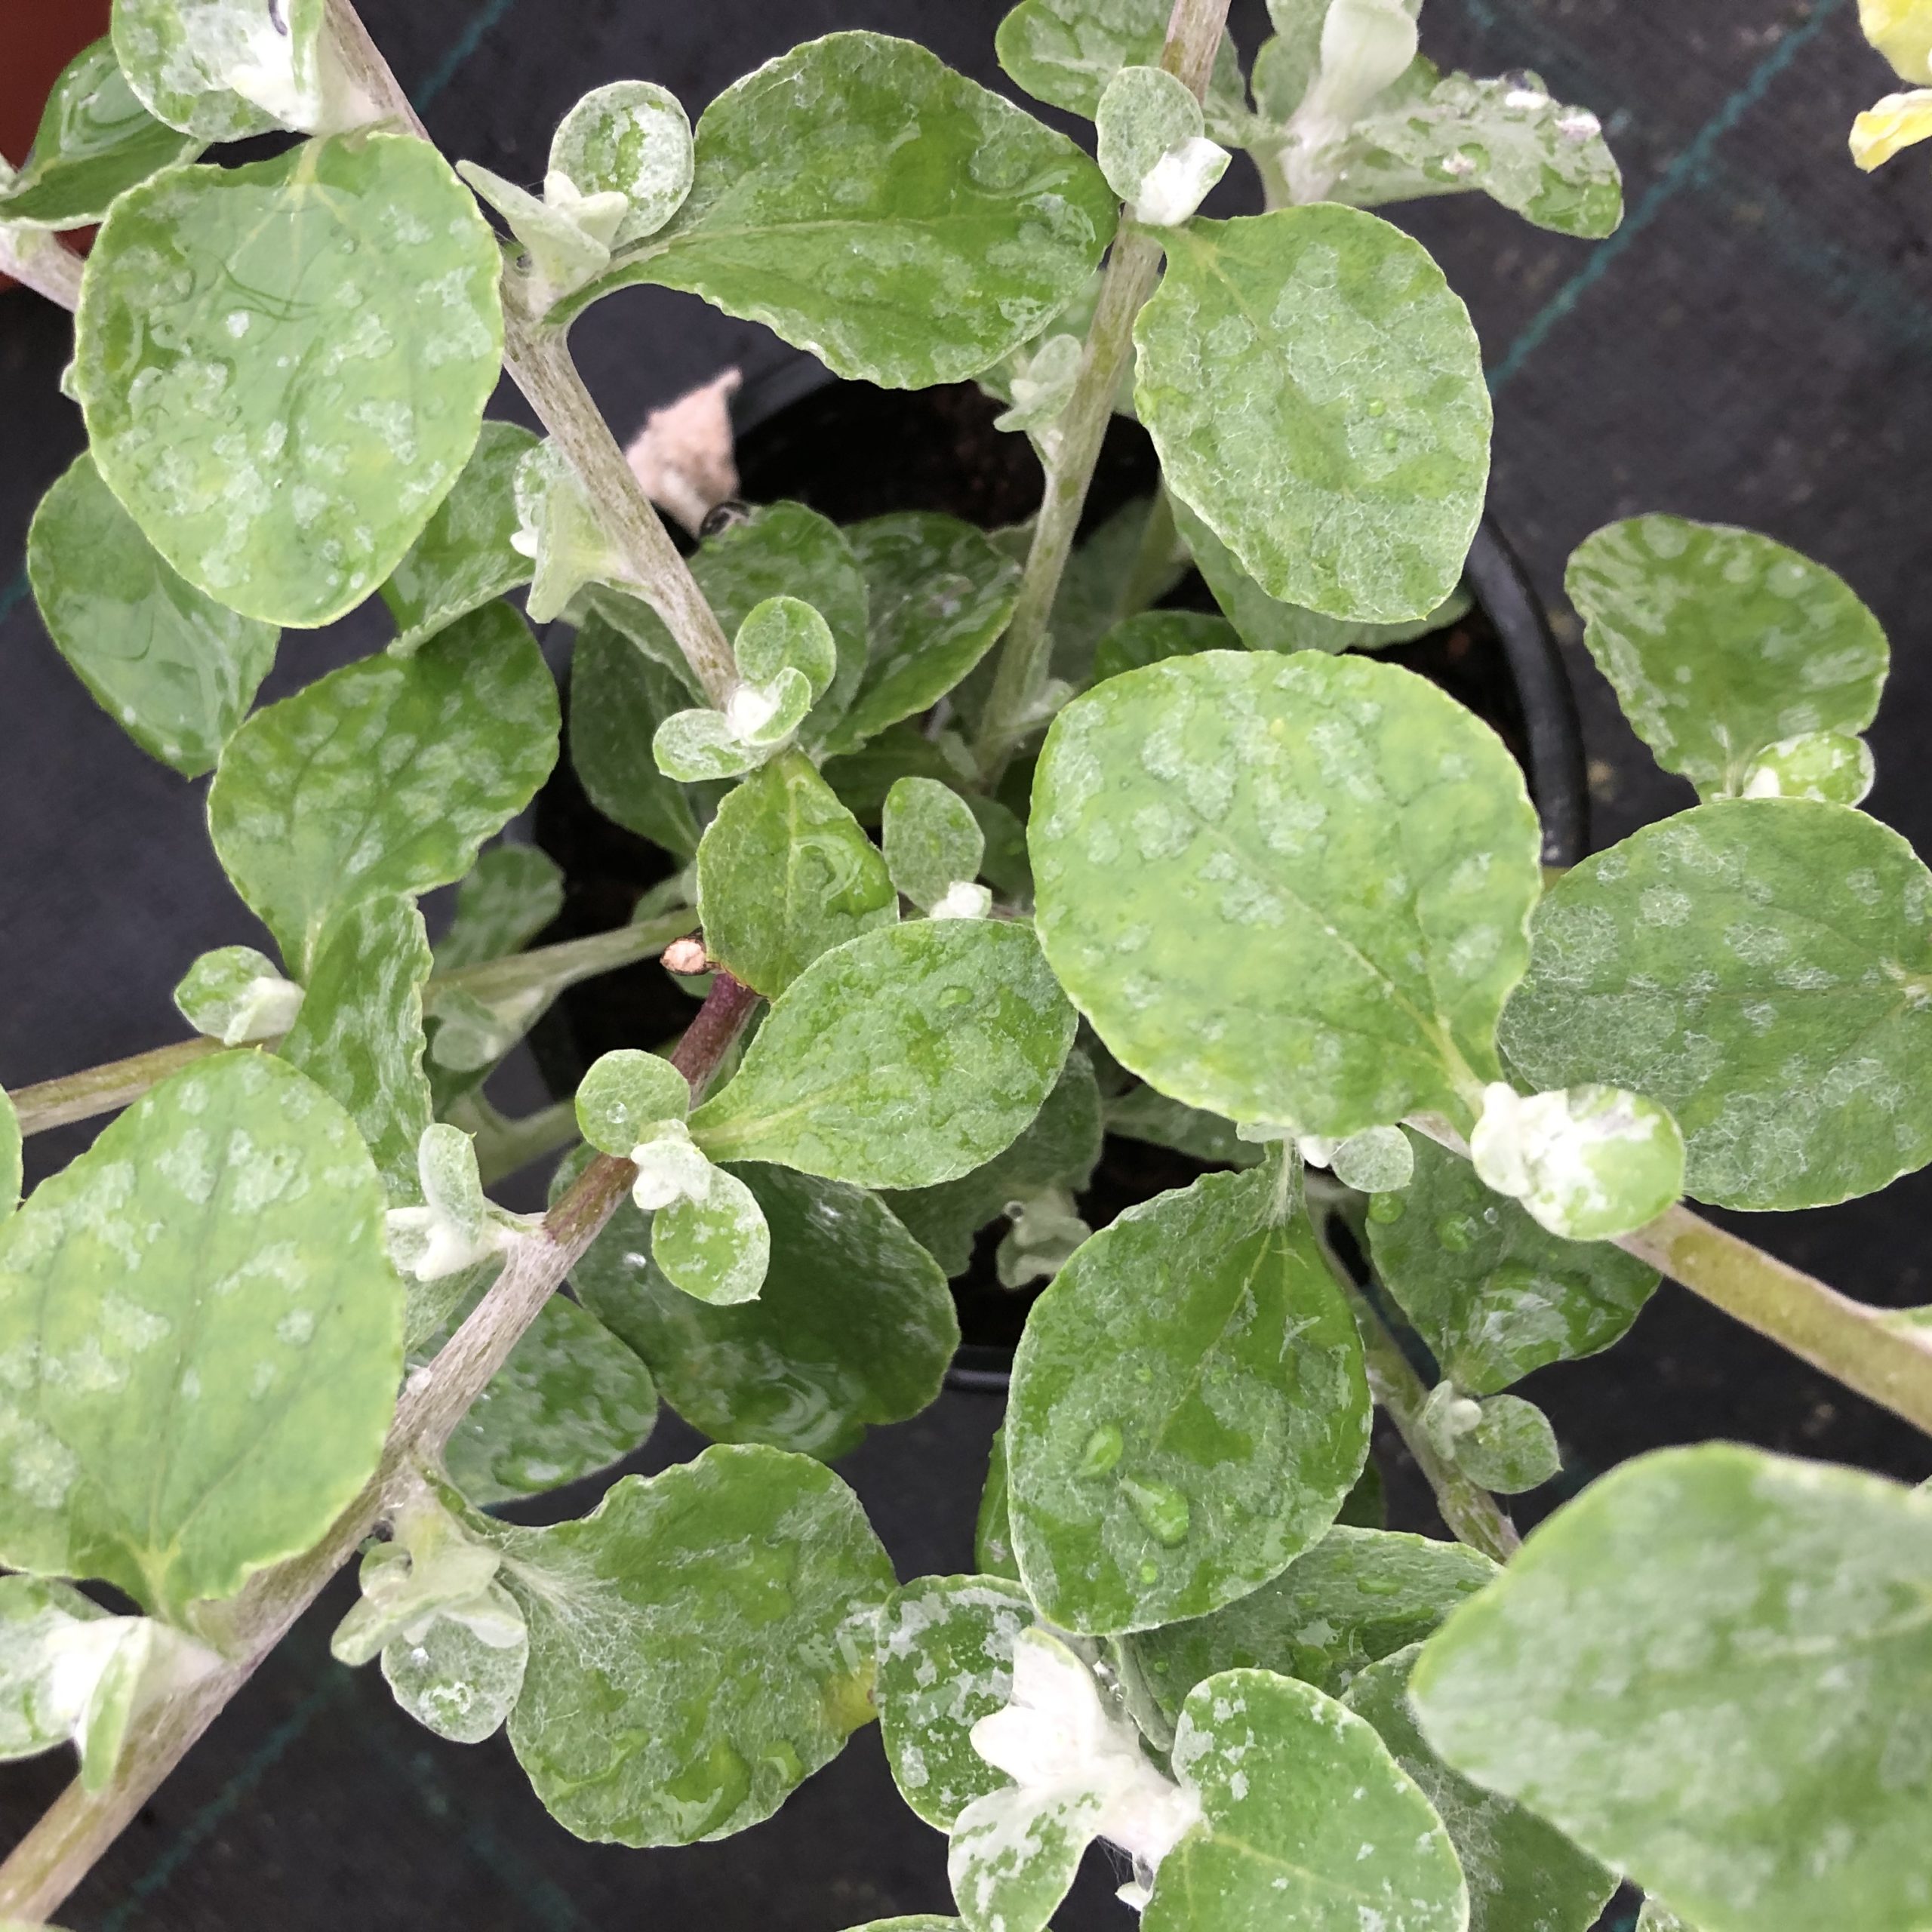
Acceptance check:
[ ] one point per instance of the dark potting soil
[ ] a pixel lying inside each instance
(850, 451)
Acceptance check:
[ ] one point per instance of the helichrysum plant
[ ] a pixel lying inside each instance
(981, 856)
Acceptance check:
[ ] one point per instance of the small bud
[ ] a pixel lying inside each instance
(686, 956)
(235, 994)
(670, 1167)
(1589, 1163)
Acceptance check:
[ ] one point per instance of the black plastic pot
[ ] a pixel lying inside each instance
(851, 451)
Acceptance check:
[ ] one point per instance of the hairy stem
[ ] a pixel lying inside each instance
(1474, 1515)
(1194, 34)
(119, 1083)
(42, 262)
(1854, 1344)
(538, 361)
(54, 1857)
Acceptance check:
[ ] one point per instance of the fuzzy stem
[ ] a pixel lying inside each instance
(43, 263)
(1859, 1346)
(119, 1083)
(1475, 1516)
(78, 1828)
(1194, 35)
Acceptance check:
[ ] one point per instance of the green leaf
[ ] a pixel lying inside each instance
(385, 775)
(95, 141)
(1065, 52)
(1493, 1294)
(176, 670)
(940, 595)
(1188, 1409)
(931, 839)
(714, 1245)
(464, 557)
(1150, 145)
(1286, 889)
(625, 1094)
(630, 138)
(1523, 1876)
(510, 894)
(1710, 1671)
(699, 1645)
(202, 1338)
(1316, 391)
(1508, 1445)
(10, 1157)
(1152, 635)
(784, 634)
(223, 69)
(1059, 1149)
(571, 1400)
(992, 1530)
(945, 1660)
(1145, 1114)
(1306, 1821)
(1265, 623)
(283, 365)
(853, 1326)
(359, 1034)
(910, 1055)
(1760, 967)
(1658, 1916)
(233, 994)
(784, 873)
(1358, 1596)
(1506, 137)
(460, 1674)
(870, 204)
(618, 697)
(919, 1922)
(1721, 643)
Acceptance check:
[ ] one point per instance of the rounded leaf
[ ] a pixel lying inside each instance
(932, 841)
(283, 365)
(1316, 391)
(945, 1661)
(626, 1092)
(867, 202)
(95, 141)
(223, 69)
(699, 1645)
(1831, 766)
(1589, 1163)
(1142, 114)
(459, 1673)
(1285, 888)
(1761, 967)
(1189, 1409)
(1721, 645)
(1306, 1821)
(203, 1338)
(176, 670)
(715, 1245)
(1710, 1671)
(631, 138)
(786, 633)
(909, 1055)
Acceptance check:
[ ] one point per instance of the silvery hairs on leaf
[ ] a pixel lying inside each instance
(1152, 148)
(1743, 666)
(223, 69)
(630, 138)
(212, 293)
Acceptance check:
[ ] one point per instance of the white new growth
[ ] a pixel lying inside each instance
(670, 1167)
(1063, 1745)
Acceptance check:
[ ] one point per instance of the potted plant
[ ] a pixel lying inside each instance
(1231, 880)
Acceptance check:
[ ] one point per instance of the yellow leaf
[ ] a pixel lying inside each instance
(1902, 31)
(1895, 122)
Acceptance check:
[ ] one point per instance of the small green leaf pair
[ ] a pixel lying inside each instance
(453, 1641)
(1152, 147)
(620, 167)
(786, 658)
(708, 1234)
